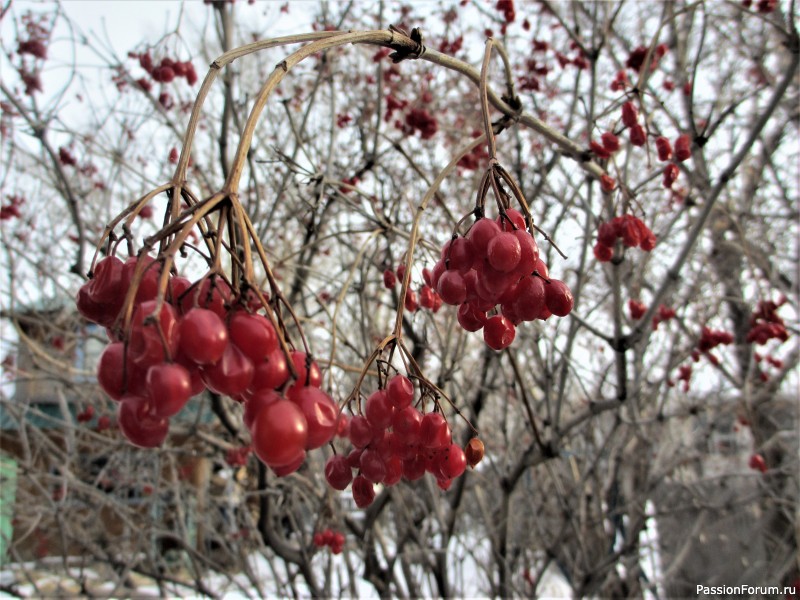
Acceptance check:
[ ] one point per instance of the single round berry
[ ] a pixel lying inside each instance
(498, 332)
(338, 473)
(558, 298)
(400, 391)
(504, 252)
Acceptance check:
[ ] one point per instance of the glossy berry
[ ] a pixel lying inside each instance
(558, 298)
(470, 317)
(230, 375)
(338, 473)
(434, 432)
(498, 332)
(363, 492)
(153, 333)
(400, 391)
(271, 373)
(504, 252)
(360, 431)
(253, 334)
(372, 466)
(458, 255)
(452, 288)
(481, 233)
(406, 423)
(170, 387)
(255, 403)
(203, 336)
(452, 461)
(378, 410)
(321, 413)
(279, 433)
(138, 425)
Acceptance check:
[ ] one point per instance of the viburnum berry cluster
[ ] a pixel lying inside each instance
(393, 440)
(629, 229)
(425, 297)
(330, 538)
(710, 339)
(495, 276)
(166, 71)
(202, 337)
(765, 324)
(10, 210)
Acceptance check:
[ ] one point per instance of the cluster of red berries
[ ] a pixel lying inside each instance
(202, 337)
(167, 70)
(710, 339)
(608, 145)
(496, 267)
(765, 324)
(420, 119)
(393, 440)
(637, 309)
(333, 539)
(664, 313)
(427, 296)
(638, 54)
(10, 210)
(507, 8)
(683, 151)
(631, 230)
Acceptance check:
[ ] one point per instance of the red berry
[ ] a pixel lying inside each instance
(203, 336)
(671, 173)
(153, 335)
(503, 252)
(338, 473)
(530, 298)
(321, 413)
(513, 220)
(664, 149)
(498, 332)
(372, 466)
(138, 425)
(272, 373)
(629, 114)
(378, 410)
(434, 432)
(406, 423)
(389, 279)
(452, 462)
(638, 136)
(400, 391)
(230, 375)
(602, 252)
(470, 317)
(253, 334)
(481, 233)
(279, 433)
(458, 255)
(255, 403)
(452, 288)
(558, 298)
(363, 492)
(170, 386)
(683, 147)
(607, 183)
(610, 141)
(361, 432)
